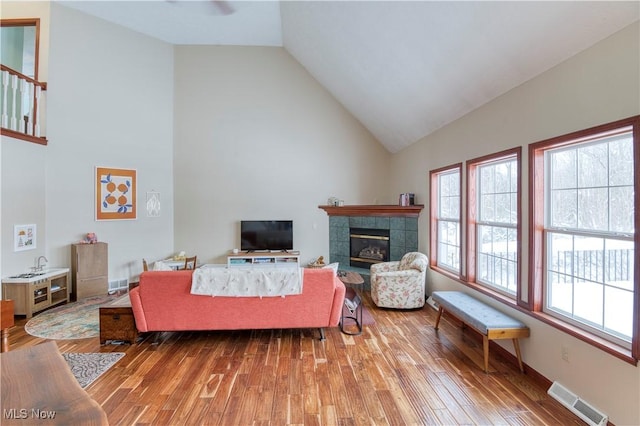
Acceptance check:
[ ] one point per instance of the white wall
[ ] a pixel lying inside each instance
(23, 195)
(23, 174)
(256, 137)
(110, 103)
(599, 85)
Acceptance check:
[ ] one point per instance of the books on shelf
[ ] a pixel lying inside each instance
(264, 258)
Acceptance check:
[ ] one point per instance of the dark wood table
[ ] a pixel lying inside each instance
(6, 322)
(352, 300)
(350, 278)
(39, 388)
(117, 322)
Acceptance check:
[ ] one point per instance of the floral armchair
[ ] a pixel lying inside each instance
(400, 284)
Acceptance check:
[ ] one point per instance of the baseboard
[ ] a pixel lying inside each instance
(538, 378)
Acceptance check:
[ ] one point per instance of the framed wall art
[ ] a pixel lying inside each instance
(115, 193)
(153, 204)
(24, 237)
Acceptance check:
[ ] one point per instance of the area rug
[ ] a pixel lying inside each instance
(87, 367)
(77, 320)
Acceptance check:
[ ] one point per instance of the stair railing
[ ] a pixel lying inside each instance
(21, 100)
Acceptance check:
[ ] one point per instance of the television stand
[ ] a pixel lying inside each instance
(249, 258)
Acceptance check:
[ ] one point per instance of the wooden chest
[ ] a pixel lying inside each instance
(117, 321)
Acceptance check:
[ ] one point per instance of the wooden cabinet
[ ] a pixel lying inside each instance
(33, 295)
(89, 270)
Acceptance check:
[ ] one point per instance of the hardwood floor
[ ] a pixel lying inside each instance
(400, 371)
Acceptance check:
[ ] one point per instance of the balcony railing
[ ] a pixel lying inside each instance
(21, 106)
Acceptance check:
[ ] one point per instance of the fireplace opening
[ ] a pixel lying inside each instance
(368, 246)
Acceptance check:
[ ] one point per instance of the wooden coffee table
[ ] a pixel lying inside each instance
(117, 322)
(352, 300)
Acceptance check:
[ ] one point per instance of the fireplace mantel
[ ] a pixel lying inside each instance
(374, 210)
(401, 223)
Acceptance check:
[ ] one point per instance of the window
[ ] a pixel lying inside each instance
(584, 224)
(20, 45)
(21, 92)
(493, 223)
(445, 220)
(582, 245)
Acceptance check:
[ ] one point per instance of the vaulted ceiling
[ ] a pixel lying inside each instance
(404, 69)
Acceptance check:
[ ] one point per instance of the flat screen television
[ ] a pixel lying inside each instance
(266, 235)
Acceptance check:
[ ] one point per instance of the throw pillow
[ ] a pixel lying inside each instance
(333, 266)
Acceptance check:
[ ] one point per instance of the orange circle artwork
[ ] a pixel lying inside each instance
(115, 194)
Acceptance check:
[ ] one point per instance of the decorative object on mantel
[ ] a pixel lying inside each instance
(407, 199)
(374, 210)
(333, 201)
(115, 193)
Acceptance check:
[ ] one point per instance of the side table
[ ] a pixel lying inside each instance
(352, 300)
(117, 321)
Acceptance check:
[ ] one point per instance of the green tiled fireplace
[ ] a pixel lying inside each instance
(401, 222)
(403, 235)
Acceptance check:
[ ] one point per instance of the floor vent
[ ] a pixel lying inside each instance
(580, 408)
(116, 285)
(432, 303)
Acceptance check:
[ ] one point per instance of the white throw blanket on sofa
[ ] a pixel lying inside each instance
(260, 281)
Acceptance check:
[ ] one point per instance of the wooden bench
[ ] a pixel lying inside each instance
(489, 322)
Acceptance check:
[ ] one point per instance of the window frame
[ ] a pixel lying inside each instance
(473, 167)
(537, 241)
(27, 22)
(434, 197)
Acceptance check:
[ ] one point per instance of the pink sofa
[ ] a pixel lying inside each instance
(163, 302)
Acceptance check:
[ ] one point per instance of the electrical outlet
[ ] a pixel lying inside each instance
(565, 353)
